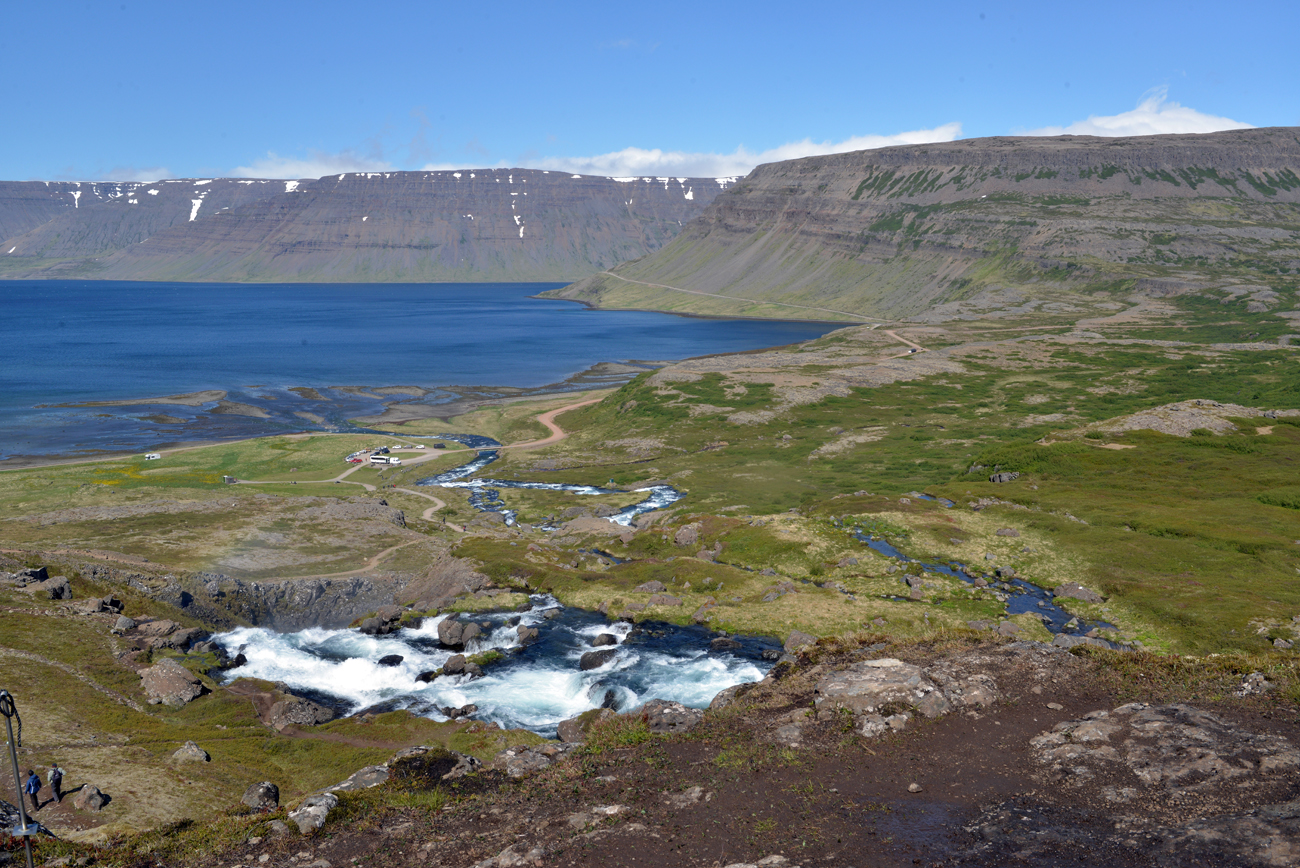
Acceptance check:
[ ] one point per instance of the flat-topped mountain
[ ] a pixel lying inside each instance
(471, 225)
(898, 231)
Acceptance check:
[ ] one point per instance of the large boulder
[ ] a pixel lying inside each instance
(171, 684)
(191, 753)
(687, 536)
(604, 639)
(663, 715)
(296, 711)
(90, 798)
(311, 814)
(651, 587)
(262, 797)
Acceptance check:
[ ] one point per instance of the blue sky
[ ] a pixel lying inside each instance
(143, 90)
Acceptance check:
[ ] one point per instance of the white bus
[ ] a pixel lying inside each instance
(385, 459)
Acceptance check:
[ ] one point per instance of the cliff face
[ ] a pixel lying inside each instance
(492, 224)
(896, 231)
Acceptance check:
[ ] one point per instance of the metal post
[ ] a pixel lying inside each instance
(10, 711)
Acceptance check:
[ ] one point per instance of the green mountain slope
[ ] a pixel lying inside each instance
(946, 230)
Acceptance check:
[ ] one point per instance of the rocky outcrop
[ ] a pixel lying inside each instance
(296, 711)
(191, 753)
(311, 814)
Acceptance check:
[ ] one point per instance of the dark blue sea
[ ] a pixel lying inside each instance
(69, 342)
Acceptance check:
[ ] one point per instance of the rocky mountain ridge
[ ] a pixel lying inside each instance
(472, 225)
(897, 231)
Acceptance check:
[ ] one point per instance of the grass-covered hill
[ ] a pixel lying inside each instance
(943, 231)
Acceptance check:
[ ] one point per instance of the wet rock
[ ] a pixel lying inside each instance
(90, 798)
(171, 684)
(663, 715)
(451, 632)
(652, 587)
(390, 660)
(427, 676)
(262, 797)
(724, 643)
(311, 814)
(191, 752)
(604, 639)
(455, 665)
(596, 659)
(527, 634)
(1076, 591)
(574, 730)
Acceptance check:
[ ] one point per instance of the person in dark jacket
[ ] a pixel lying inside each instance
(56, 782)
(32, 788)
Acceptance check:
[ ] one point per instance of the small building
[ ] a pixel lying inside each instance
(229, 480)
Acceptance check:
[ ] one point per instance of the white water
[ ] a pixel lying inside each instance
(535, 687)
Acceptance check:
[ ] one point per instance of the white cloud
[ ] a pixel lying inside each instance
(1154, 115)
(130, 173)
(316, 164)
(651, 162)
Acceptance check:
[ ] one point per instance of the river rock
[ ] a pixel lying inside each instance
(451, 632)
(604, 639)
(311, 814)
(596, 659)
(262, 797)
(528, 634)
(191, 752)
(652, 587)
(455, 665)
(1074, 590)
(724, 643)
(296, 711)
(390, 660)
(170, 683)
(663, 715)
(90, 798)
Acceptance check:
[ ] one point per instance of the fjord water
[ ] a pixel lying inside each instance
(67, 342)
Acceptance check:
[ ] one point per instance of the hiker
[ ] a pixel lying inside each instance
(32, 787)
(56, 782)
